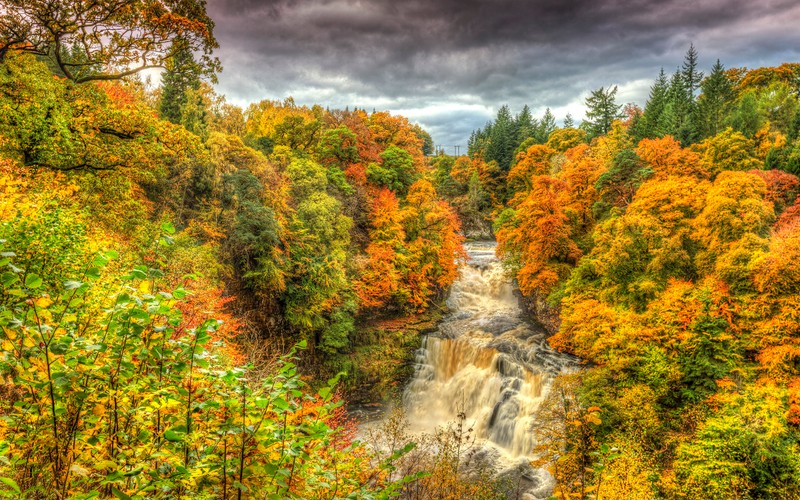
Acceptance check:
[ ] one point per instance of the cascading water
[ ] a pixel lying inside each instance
(486, 362)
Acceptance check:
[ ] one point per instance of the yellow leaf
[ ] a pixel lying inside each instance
(43, 302)
(8, 346)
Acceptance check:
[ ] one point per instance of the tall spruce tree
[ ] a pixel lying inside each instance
(601, 111)
(690, 125)
(714, 101)
(648, 127)
(675, 117)
(182, 75)
(526, 124)
(547, 124)
(691, 76)
(502, 139)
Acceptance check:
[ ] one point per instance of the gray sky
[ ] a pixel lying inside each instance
(450, 64)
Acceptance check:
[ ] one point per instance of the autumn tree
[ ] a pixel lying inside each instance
(317, 298)
(534, 236)
(734, 209)
(108, 39)
(433, 244)
(665, 157)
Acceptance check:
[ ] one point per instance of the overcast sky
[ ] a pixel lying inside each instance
(450, 64)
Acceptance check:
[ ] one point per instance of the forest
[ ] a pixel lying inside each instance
(191, 292)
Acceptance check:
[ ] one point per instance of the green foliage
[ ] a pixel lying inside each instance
(255, 236)
(744, 451)
(708, 355)
(118, 393)
(601, 111)
(618, 184)
(52, 244)
(396, 171)
(318, 298)
(182, 75)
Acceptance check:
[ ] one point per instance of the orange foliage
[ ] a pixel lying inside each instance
(782, 188)
(532, 162)
(790, 216)
(434, 242)
(388, 130)
(666, 157)
(540, 236)
(762, 77)
(580, 172)
(206, 303)
(381, 277)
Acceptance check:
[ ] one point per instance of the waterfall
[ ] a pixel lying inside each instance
(485, 361)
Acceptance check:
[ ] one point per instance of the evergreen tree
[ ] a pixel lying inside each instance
(546, 126)
(526, 125)
(690, 124)
(502, 139)
(568, 121)
(648, 127)
(181, 76)
(691, 77)
(713, 103)
(674, 120)
(601, 111)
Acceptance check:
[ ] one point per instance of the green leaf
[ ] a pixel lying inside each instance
(179, 293)
(119, 494)
(168, 228)
(173, 436)
(7, 279)
(33, 281)
(11, 484)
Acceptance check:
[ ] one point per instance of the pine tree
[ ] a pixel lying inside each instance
(691, 77)
(675, 120)
(601, 111)
(546, 126)
(181, 76)
(525, 123)
(717, 95)
(690, 126)
(502, 139)
(568, 121)
(648, 127)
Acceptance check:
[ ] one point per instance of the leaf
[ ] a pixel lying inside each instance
(72, 285)
(168, 228)
(33, 281)
(11, 484)
(172, 436)
(119, 494)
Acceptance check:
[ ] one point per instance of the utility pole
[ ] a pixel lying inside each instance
(456, 149)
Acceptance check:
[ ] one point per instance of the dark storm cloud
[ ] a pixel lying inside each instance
(449, 64)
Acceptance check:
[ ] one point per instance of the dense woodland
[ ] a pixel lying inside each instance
(188, 287)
